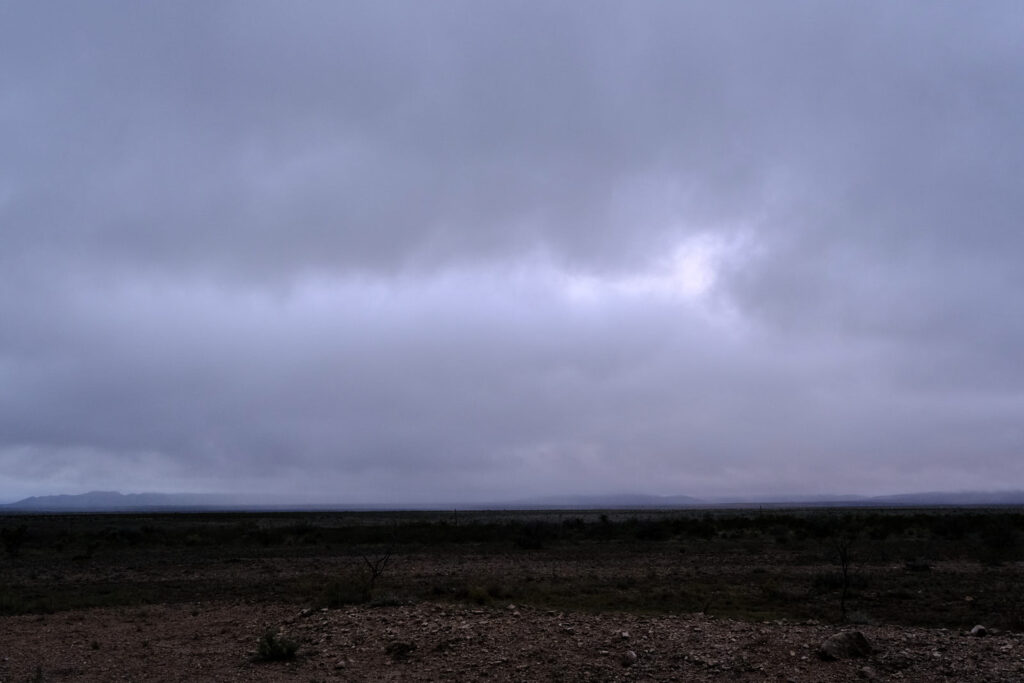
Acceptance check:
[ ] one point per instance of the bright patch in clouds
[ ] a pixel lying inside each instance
(687, 273)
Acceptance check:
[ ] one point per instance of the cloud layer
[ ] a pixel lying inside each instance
(405, 252)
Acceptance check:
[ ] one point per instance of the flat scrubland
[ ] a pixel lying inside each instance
(512, 595)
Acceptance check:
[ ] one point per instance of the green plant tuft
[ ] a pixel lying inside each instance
(276, 648)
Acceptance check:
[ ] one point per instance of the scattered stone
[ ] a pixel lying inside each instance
(979, 631)
(445, 645)
(624, 635)
(845, 645)
(353, 644)
(867, 673)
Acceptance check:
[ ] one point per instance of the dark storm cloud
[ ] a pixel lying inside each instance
(414, 251)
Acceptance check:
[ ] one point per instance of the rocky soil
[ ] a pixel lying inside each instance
(445, 642)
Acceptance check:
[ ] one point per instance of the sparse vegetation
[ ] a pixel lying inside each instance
(375, 567)
(842, 537)
(901, 566)
(273, 647)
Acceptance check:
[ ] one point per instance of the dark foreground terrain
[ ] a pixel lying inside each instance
(575, 595)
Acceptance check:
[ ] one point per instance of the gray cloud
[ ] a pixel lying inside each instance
(401, 251)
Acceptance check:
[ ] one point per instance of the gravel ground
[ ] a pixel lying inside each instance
(444, 642)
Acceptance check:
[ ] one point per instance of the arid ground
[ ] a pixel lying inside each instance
(519, 596)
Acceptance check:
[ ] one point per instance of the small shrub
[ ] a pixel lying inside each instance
(439, 589)
(276, 648)
(479, 595)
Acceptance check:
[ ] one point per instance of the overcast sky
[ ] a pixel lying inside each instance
(395, 251)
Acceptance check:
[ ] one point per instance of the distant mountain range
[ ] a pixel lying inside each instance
(624, 500)
(113, 501)
(938, 498)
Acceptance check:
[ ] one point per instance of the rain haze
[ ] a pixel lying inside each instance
(392, 252)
